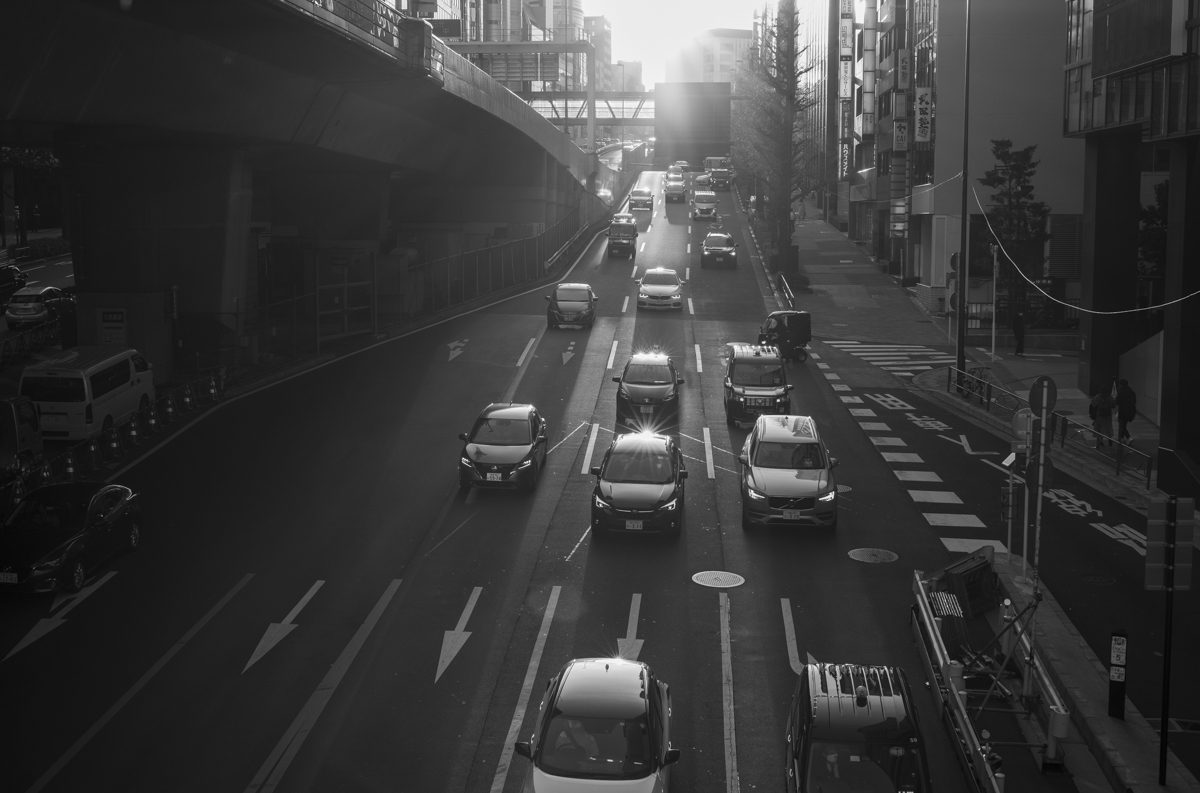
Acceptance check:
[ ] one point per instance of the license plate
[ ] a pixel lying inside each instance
(646, 408)
(791, 514)
(633, 525)
(493, 477)
(11, 578)
(757, 402)
(719, 259)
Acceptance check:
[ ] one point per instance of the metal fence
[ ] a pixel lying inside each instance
(1039, 313)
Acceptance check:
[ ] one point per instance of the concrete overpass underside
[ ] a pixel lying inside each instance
(216, 151)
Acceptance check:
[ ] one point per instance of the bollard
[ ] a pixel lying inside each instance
(212, 389)
(1009, 637)
(135, 437)
(151, 421)
(69, 468)
(999, 782)
(1060, 723)
(953, 673)
(188, 402)
(169, 418)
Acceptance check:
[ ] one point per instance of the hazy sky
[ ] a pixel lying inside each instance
(648, 30)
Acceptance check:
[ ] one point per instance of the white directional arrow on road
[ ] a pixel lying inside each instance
(456, 348)
(631, 646)
(47, 624)
(454, 640)
(277, 630)
(962, 441)
(570, 353)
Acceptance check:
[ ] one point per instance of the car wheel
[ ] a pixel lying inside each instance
(464, 484)
(76, 576)
(801, 354)
(134, 538)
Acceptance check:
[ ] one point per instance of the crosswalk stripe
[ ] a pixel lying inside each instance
(917, 476)
(934, 497)
(902, 457)
(952, 519)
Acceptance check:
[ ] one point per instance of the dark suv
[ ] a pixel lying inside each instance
(853, 727)
(755, 383)
(648, 398)
(506, 448)
(639, 486)
(719, 249)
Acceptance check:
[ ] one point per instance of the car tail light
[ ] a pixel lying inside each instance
(87, 413)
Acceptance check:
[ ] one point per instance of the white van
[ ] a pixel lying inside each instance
(704, 205)
(84, 391)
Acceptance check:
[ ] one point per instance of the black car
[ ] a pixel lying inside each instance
(639, 486)
(648, 398)
(59, 534)
(506, 448)
(755, 383)
(854, 727)
(571, 304)
(718, 249)
(641, 198)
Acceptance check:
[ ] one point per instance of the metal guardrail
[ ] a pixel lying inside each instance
(786, 290)
(1077, 435)
(23, 344)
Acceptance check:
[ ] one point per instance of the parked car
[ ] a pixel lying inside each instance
(33, 305)
(787, 475)
(12, 278)
(59, 534)
(506, 448)
(639, 486)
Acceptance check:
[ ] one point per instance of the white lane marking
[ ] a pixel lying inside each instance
(691, 308)
(689, 250)
(874, 426)
(525, 352)
(934, 497)
(840, 387)
(514, 728)
(612, 355)
(591, 447)
(902, 457)
(852, 400)
(814, 356)
(276, 631)
(108, 716)
(456, 528)
(47, 624)
(650, 226)
(31, 283)
(891, 402)
(699, 362)
(272, 771)
(961, 545)
(789, 632)
(689, 229)
(576, 548)
(951, 519)
(732, 784)
(718, 467)
(643, 248)
(905, 369)
(687, 273)
(708, 454)
(564, 440)
(822, 366)
(631, 646)
(701, 440)
(40, 266)
(453, 641)
(634, 273)
(625, 304)
(862, 412)
(962, 441)
(887, 441)
(831, 376)
(917, 476)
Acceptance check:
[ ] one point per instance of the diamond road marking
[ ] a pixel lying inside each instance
(886, 441)
(901, 457)
(861, 412)
(874, 426)
(949, 519)
(852, 400)
(840, 387)
(934, 497)
(917, 476)
(832, 376)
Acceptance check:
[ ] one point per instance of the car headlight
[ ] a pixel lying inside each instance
(524, 465)
(830, 496)
(49, 565)
(600, 503)
(754, 494)
(642, 295)
(670, 505)
(466, 461)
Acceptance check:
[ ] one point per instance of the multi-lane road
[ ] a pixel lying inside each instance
(316, 606)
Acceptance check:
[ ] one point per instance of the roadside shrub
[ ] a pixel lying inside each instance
(45, 248)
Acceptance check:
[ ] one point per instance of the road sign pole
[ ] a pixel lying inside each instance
(1025, 537)
(1169, 582)
(1010, 510)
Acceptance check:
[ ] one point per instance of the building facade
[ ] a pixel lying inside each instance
(1132, 97)
(711, 57)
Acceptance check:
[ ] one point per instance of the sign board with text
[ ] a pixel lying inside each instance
(846, 79)
(113, 326)
(900, 136)
(903, 69)
(846, 30)
(446, 28)
(923, 115)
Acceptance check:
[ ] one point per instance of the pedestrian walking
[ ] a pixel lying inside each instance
(793, 220)
(1101, 413)
(1018, 329)
(1126, 411)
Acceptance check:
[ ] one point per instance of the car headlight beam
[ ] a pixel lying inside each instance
(524, 465)
(756, 495)
(600, 503)
(830, 496)
(670, 505)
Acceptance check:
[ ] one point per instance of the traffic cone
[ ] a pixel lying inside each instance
(95, 460)
(151, 421)
(69, 468)
(18, 491)
(169, 418)
(212, 389)
(113, 446)
(135, 437)
(188, 402)
(45, 475)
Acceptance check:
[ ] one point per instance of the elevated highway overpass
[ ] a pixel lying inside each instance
(230, 153)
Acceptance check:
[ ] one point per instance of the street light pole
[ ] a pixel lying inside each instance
(960, 344)
(995, 282)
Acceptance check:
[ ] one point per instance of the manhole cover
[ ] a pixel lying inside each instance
(844, 488)
(718, 578)
(872, 555)
(1099, 579)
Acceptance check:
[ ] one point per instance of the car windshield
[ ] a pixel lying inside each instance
(501, 432)
(718, 241)
(571, 293)
(597, 748)
(773, 454)
(26, 299)
(648, 374)
(660, 279)
(865, 767)
(757, 374)
(53, 389)
(641, 193)
(639, 465)
(48, 512)
(674, 170)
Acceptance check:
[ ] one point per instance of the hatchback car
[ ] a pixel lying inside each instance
(571, 304)
(33, 305)
(59, 534)
(604, 725)
(506, 448)
(674, 172)
(639, 486)
(718, 250)
(755, 383)
(787, 475)
(660, 288)
(648, 397)
(853, 727)
(641, 198)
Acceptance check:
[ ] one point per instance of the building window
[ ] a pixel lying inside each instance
(727, 46)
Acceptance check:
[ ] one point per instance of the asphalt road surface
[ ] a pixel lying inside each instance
(316, 606)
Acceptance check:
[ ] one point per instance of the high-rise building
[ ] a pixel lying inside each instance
(711, 57)
(600, 32)
(627, 76)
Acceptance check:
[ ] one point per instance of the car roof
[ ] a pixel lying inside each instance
(641, 189)
(642, 440)
(80, 358)
(572, 286)
(624, 217)
(661, 270)
(506, 410)
(763, 351)
(603, 688)
(651, 358)
(787, 428)
(33, 290)
(723, 234)
(881, 715)
(705, 193)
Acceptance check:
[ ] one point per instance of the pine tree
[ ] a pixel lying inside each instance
(1017, 219)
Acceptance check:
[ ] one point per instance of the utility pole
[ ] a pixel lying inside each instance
(960, 309)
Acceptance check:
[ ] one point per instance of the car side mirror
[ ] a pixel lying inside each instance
(616, 378)
(547, 297)
(462, 436)
(525, 749)
(737, 244)
(728, 383)
(541, 439)
(678, 381)
(743, 459)
(683, 474)
(833, 462)
(595, 470)
(790, 386)
(672, 756)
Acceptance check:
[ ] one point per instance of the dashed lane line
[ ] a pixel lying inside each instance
(708, 454)
(789, 633)
(591, 447)
(954, 519)
(625, 305)
(934, 497)
(699, 361)
(612, 355)
(917, 476)
(732, 783)
(902, 457)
